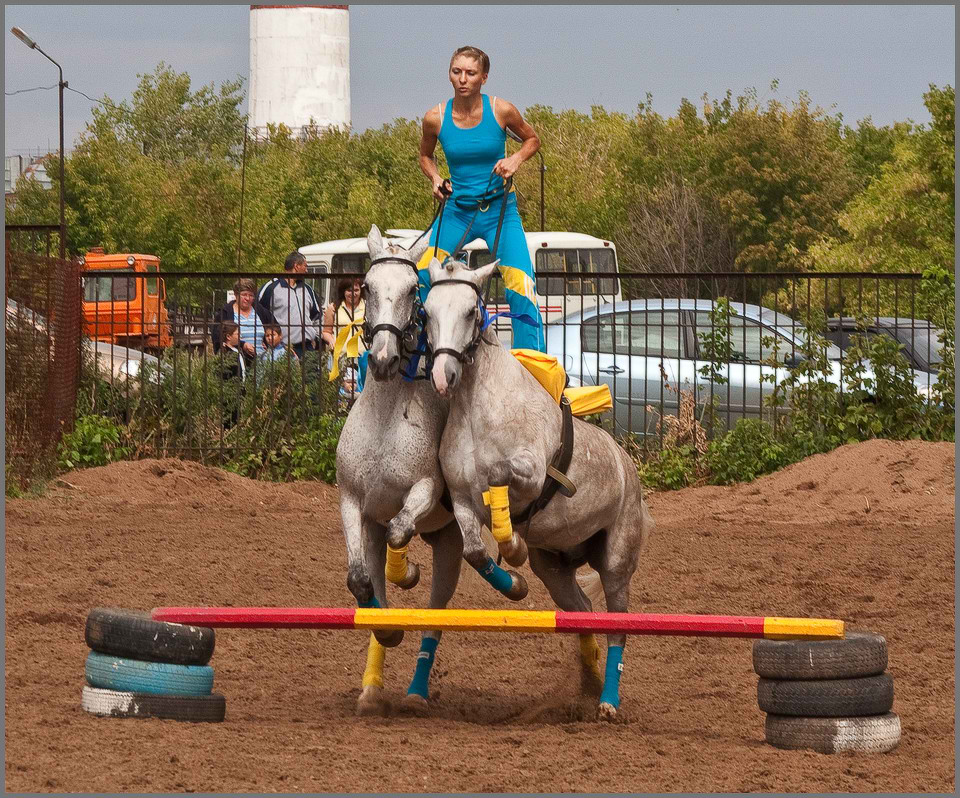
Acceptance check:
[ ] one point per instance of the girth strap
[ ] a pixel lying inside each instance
(556, 472)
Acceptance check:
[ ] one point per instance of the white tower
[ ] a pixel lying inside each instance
(299, 66)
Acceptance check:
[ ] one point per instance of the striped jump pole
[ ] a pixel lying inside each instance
(771, 628)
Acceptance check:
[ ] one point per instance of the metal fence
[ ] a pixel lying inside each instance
(676, 364)
(42, 354)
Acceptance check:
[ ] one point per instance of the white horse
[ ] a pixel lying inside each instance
(389, 474)
(502, 432)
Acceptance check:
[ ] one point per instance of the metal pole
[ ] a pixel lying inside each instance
(243, 185)
(543, 210)
(63, 217)
(18, 32)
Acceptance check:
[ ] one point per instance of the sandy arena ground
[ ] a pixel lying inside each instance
(865, 534)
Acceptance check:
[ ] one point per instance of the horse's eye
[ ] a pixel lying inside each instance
(413, 290)
(468, 314)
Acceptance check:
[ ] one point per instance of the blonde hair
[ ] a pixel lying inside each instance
(475, 53)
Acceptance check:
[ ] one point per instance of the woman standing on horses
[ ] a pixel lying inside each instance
(471, 128)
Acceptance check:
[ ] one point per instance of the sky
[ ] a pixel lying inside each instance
(860, 61)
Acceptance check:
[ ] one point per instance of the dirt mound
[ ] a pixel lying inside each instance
(899, 480)
(797, 543)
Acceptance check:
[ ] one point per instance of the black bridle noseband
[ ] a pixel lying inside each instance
(466, 356)
(408, 332)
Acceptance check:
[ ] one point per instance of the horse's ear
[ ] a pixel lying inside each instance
(374, 241)
(484, 273)
(435, 270)
(416, 251)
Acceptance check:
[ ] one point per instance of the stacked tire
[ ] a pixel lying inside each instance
(827, 695)
(138, 667)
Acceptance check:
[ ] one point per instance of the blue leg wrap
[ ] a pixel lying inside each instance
(496, 576)
(428, 650)
(372, 604)
(611, 677)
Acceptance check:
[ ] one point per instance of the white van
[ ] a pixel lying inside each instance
(551, 251)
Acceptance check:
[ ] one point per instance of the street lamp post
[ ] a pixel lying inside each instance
(63, 219)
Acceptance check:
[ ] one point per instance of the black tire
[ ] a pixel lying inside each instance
(134, 634)
(114, 703)
(832, 698)
(858, 654)
(875, 734)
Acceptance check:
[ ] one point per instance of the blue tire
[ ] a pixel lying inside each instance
(140, 676)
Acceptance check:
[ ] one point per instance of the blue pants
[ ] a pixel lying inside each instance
(515, 265)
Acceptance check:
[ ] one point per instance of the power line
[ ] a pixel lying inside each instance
(35, 88)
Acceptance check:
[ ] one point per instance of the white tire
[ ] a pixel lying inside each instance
(872, 734)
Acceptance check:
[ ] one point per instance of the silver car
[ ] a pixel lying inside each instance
(647, 349)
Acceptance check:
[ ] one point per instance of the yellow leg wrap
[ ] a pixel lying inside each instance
(590, 654)
(498, 499)
(373, 674)
(396, 569)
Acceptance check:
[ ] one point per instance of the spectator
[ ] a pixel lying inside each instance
(347, 307)
(275, 351)
(294, 306)
(249, 314)
(234, 371)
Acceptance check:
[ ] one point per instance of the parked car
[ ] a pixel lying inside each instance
(640, 347)
(919, 339)
(113, 362)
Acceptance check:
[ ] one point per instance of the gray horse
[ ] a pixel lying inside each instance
(503, 430)
(389, 474)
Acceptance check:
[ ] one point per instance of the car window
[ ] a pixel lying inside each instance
(98, 289)
(650, 334)
(924, 342)
(751, 341)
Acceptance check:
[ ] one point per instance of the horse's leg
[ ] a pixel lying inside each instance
(560, 579)
(420, 499)
(519, 473)
(509, 583)
(375, 553)
(447, 545)
(371, 699)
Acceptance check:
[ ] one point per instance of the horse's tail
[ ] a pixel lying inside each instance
(590, 584)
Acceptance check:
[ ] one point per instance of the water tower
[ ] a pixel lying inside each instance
(299, 66)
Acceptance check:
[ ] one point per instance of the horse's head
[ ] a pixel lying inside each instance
(454, 319)
(390, 302)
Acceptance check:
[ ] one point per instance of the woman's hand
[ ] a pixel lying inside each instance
(248, 348)
(507, 167)
(442, 187)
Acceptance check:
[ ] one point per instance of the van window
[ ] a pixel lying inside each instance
(98, 289)
(481, 257)
(350, 264)
(153, 283)
(592, 261)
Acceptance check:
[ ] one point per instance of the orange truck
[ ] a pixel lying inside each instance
(131, 311)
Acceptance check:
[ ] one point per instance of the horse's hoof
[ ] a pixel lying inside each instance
(414, 704)
(412, 578)
(372, 703)
(390, 639)
(607, 712)
(518, 590)
(514, 551)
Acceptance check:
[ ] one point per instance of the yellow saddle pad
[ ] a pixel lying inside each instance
(551, 375)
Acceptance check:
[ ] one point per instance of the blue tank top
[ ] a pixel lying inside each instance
(472, 152)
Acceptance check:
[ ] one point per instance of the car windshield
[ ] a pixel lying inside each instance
(926, 342)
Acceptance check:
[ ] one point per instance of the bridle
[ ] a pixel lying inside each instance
(480, 324)
(406, 334)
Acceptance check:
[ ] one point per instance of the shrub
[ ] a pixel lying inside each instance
(95, 441)
(746, 452)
